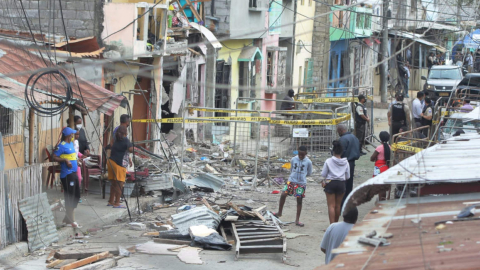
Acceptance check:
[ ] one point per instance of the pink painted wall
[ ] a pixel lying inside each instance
(116, 14)
(268, 40)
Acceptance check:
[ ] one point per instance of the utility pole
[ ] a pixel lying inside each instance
(384, 49)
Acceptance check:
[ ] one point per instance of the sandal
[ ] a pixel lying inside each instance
(276, 215)
(120, 206)
(109, 204)
(73, 225)
(299, 224)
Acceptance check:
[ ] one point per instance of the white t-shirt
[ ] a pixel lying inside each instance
(76, 146)
(417, 108)
(333, 237)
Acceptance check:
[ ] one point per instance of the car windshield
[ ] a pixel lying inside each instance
(471, 81)
(445, 74)
(453, 125)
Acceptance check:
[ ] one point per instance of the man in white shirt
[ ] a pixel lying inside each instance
(336, 233)
(469, 61)
(417, 109)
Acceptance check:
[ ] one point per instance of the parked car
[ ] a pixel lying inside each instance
(470, 82)
(442, 80)
(454, 123)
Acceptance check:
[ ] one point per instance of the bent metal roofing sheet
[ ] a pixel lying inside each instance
(18, 63)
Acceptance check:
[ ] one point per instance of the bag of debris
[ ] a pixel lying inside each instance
(214, 242)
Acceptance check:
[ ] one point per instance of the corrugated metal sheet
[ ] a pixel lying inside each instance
(455, 160)
(12, 94)
(15, 185)
(415, 245)
(206, 181)
(196, 216)
(157, 182)
(40, 221)
(18, 63)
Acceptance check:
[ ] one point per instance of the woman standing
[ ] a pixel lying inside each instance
(67, 157)
(117, 169)
(381, 156)
(336, 171)
(82, 139)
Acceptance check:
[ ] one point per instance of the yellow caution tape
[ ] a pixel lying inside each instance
(240, 111)
(408, 148)
(246, 119)
(332, 99)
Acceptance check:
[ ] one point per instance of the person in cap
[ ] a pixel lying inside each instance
(427, 115)
(287, 103)
(399, 115)
(361, 120)
(67, 157)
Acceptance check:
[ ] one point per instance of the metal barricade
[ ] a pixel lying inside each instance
(287, 131)
(232, 139)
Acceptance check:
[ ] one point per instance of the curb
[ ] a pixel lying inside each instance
(11, 251)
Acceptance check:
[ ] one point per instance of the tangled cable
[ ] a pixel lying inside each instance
(37, 106)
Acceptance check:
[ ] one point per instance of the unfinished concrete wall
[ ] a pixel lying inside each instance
(83, 18)
(321, 46)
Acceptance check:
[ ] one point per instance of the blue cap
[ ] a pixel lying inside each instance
(68, 131)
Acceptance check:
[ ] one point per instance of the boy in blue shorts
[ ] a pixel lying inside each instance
(301, 167)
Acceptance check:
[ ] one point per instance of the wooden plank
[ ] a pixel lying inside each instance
(223, 233)
(171, 241)
(85, 261)
(194, 11)
(63, 263)
(54, 263)
(50, 257)
(71, 253)
(102, 265)
(204, 201)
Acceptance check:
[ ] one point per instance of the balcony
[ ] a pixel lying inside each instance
(143, 38)
(350, 23)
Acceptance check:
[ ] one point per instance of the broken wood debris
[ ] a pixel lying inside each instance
(85, 261)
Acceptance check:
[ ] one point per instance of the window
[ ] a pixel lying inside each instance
(222, 91)
(6, 121)
(271, 80)
(360, 21)
(141, 23)
(368, 21)
(300, 79)
(246, 79)
(310, 3)
(413, 6)
(253, 3)
(337, 21)
(302, 2)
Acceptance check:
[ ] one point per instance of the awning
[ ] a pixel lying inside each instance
(437, 26)
(368, 42)
(249, 54)
(18, 64)
(208, 34)
(416, 38)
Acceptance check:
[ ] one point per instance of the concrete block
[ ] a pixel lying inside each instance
(83, 33)
(90, 6)
(75, 24)
(222, 12)
(76, 5)
(67, 14)
(85, 15)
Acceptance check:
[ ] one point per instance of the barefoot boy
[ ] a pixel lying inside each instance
(301, 167)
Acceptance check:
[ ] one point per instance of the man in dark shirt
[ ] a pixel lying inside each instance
(351, 151)
(125, 122)
(287, 104)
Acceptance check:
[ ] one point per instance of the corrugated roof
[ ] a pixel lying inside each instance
(40, 222)
(416, 38)
(414, 245)
(437, 26)
(432, 165)
(17, 63)
(196, 216)
(12, 94)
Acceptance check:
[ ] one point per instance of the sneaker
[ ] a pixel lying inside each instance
(80, 200)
